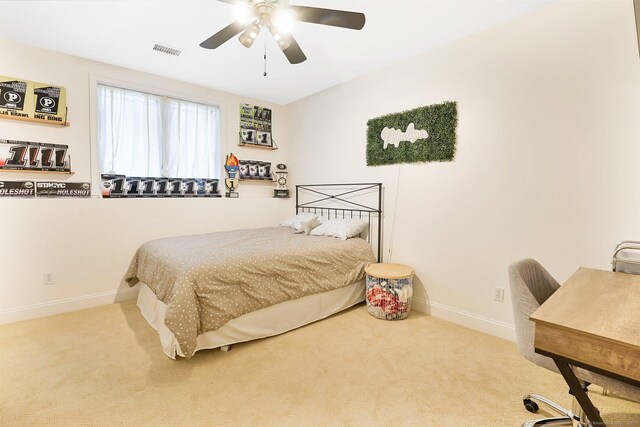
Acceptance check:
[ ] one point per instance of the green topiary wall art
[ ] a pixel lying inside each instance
(424, 134)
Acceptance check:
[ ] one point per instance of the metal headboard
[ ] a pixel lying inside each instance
(334, 199)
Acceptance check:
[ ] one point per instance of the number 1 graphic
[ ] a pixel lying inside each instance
(17, 155)
(33, 156)
(46, 157)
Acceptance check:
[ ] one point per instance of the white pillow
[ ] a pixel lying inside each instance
(296, 221)
(307, 226)
(364, 234)
(340, 228)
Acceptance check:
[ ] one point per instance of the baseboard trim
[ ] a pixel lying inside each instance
(441, 311)
(464, 318)
(420, 305)
(49, 308)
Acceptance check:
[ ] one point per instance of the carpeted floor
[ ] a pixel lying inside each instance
(104, 367)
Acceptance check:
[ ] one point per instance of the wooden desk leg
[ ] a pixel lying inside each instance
(576, 389)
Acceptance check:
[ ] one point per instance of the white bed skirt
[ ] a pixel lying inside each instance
(266, 322)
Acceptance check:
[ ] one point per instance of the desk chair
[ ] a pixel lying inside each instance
(531, 285)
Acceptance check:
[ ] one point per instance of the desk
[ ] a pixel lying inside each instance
(592, 321)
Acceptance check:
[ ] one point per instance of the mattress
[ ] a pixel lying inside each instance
(207, 280)
(273, 320)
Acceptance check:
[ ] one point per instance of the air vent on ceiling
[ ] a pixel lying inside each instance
(166, 49)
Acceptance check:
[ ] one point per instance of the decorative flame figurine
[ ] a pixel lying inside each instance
(231, 165)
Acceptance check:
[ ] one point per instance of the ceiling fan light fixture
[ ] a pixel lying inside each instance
(278, 16)
(283, 40)
(284, 20)
(243, 13)
(249, 35)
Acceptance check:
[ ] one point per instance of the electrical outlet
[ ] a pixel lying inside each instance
(498, 294)
(48, 278)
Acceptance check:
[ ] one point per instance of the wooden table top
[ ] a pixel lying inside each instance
(389, 271)
(594, 318)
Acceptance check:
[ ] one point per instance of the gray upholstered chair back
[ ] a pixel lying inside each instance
(531, 285)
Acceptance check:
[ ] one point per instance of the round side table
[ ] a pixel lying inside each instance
(389, 290)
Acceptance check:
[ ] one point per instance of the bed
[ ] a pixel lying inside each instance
(213, 290)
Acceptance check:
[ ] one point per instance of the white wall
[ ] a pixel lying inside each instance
(548, 166)
(547, 163)
(88, 243)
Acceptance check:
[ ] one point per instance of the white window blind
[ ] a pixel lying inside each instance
(140, 134)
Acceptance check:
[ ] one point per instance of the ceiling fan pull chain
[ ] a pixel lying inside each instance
(265, 57)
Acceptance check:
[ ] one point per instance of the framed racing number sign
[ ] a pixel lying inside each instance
(26, 100)
(34, 156)
(117, 186)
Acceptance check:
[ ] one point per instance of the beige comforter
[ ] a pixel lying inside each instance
(206, 280)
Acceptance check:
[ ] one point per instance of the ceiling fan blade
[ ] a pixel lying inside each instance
(336, 18)
(294, 54)
(223, 35)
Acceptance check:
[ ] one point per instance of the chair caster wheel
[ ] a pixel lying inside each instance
(530, 405)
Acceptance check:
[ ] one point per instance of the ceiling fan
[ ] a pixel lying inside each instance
(278, 17)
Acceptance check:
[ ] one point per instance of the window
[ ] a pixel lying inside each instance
(140, 134)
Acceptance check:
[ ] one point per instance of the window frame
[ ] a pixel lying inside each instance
(186, 95)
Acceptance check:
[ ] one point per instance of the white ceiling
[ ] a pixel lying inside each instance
(122, 33)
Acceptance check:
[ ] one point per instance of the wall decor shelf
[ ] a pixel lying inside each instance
(37, 171)
(262, 147)
(36, 121)
(270, 181)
